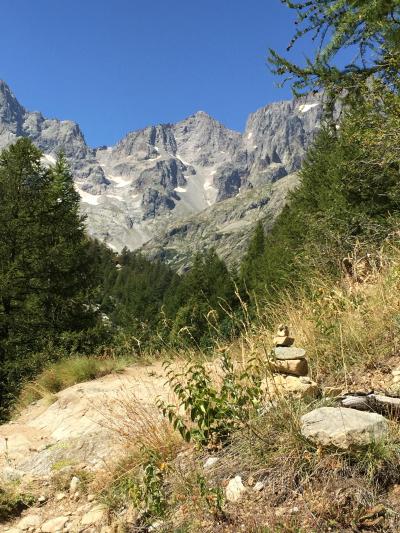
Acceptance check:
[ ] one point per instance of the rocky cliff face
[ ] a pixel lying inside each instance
(153, 179)
(51, 136)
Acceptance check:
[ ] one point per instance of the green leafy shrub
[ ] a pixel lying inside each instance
(213, 411)
(12, 504)
(142, 484)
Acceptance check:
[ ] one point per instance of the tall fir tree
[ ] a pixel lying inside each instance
(68, 265)
(45, 270)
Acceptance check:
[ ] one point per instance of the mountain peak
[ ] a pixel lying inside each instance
(203, 115)
(6, 93)
(169, 171)
(3, 86)
(11, 111)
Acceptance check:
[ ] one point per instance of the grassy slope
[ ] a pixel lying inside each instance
(66, 373)
(351, 332)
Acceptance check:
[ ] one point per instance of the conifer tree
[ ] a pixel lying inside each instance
(45, 268)
(67, 267)
(370, 29)
(24, 187)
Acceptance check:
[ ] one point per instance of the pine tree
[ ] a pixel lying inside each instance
(45, 267)
(23, 190)
(67, 268)
(201, 297)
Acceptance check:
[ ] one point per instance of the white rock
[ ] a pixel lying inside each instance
(54, 525)
(10, 473)
(156, 525)
(31, 520)
(234, 489)
(341, 427)
(96, 514)
(289, 353)
(259, 486)
(60, 496)
(74, 484)
(210, 462)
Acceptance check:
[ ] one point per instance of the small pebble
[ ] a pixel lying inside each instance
(258, 487)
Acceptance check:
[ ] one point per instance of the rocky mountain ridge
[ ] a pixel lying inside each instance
(139, 190)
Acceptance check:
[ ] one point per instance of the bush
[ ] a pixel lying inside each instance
(212, 411)
(12, 504)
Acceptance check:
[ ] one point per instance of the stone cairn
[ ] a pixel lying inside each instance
(288, 367)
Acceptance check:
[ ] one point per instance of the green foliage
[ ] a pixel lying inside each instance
(134, 295)
(198, 303)
(12, 504)
(212, 412)
(250, 267)
(371, 32)
(45, 268)
(348, 197)
(152, 489)
(144, 486)
(149, 301)
(55, 282)
(213, 496)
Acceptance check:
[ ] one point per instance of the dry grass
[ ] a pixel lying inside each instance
(350, 329)
(137, 424)
(66, 373)
(307, 488)
(146, 437)
(351, 332)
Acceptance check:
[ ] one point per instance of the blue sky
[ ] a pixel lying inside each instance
(119, 65)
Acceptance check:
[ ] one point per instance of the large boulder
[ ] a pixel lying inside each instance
(342, 428)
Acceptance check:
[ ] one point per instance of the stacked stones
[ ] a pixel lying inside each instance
(289, 367)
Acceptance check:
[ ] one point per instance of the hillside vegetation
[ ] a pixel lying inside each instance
(230, 452)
